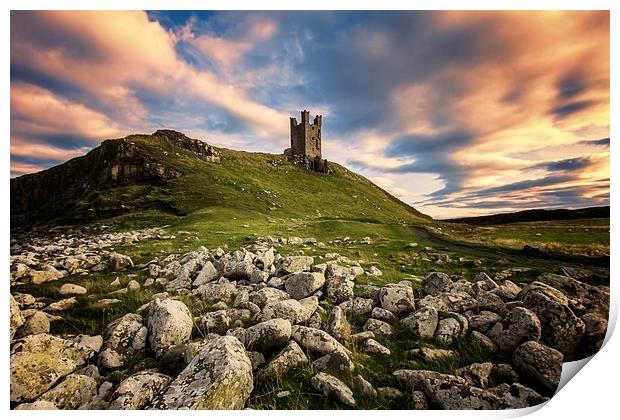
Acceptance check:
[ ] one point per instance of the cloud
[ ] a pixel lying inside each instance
(437, 106)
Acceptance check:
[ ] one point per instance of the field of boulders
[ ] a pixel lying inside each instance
(255, 329)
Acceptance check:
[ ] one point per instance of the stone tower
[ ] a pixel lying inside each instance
(306, 137)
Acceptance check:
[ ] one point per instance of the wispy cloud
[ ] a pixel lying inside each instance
(445, 109)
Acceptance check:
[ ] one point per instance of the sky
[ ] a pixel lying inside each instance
(456, 113)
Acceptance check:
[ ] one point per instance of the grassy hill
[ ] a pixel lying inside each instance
(246, 186)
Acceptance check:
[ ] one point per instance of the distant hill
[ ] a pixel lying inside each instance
(536, 216)
(168, 173)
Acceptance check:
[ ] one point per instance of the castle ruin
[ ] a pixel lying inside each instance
(306, 142)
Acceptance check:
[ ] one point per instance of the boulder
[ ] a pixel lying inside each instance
(435, 283)
(169, 323)
(520, 396)
(301, 285)
(357, 306)
(72, 289)
(372, 346)
(44, 276)
(219, 377)
(289, 357)
(138, 390)
(39, 361)
(16, 317)
(117, 262)
(520, 325)
(483, 321)
(316, 340)
(331, 386)
(62, 304)
(337, 325)
(561, 328)
(74, 391)
(378, 327)
(337, 363)
(339, 289)
(295, 311)
(293, 264)
(476, 374)
(422, 323)
(447, 330)
(397, 299)
(539, 363)
(267, 295)
(266, 335)
(123, 340)
(265, 260)
(37, 323)
(37, 405)
(450, 302)
(222, 290)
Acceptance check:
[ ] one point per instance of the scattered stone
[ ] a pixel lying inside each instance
(397, 299)
(302, 285)
(336, 363)
(266, 335)
(432, 355)
(338, 326)
(476, 374)
(219, 377)
(293, 264)
(289, 357)
(540, 363)
(118, 262)
(389, 393)
(357, 306)
(72, 289)
(436, 283)
(316, 340)
(17, 319)
(372, 346)
(333, 387)
(62, 304)
(378, 327)
(422, 323)
(123, 339)
(169, 323)
(37, 323)
(73, 392)
(138, 390)
(447, 330)
(364, 387)
(521, 325)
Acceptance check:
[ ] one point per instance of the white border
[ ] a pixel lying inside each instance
(593, 394)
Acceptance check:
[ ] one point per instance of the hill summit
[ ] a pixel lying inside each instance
(169, 173)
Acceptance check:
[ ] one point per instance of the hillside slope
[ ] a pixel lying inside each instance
(167, 175)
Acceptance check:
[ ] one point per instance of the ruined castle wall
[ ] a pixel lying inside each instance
(313, 141)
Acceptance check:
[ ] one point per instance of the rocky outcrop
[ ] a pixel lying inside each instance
(69, 190)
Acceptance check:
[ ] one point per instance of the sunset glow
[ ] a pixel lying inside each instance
(456, 113)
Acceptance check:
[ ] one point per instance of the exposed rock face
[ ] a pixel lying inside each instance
(169, 323)
(138, 390)
(219, 377)
(114, 162)
(123, 340)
